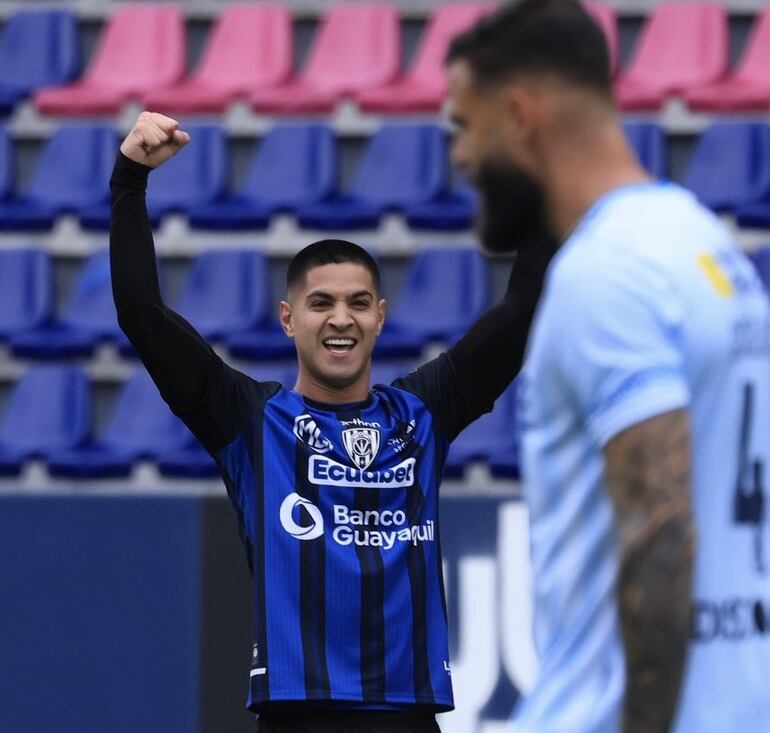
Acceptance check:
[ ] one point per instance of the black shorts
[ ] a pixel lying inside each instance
(348, 721)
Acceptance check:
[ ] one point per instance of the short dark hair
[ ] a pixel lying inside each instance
(538, 37)
(329, 252)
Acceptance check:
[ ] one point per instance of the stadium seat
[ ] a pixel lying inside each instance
(141, 426)
(7, 167)
(357, 47)
(445, 290)
(72, 171)
(49, 409)
(454, 211)
(198, 175)
(760, 258)
(423, 88)
(142, 48)
(682, 45)
(730, 166)
(403, 164)
(649, 143)
(26, 288)
(296, 165)
(89, 317)
(38, 48)
(748, 87)
(493, 436)
(250, 47)
(606, 18)
(226, 292)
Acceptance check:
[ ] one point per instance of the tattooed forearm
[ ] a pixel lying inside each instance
(648, 476)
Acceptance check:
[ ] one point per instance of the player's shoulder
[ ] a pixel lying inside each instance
(638, 233)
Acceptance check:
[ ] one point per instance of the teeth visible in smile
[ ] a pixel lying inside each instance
(340, 342)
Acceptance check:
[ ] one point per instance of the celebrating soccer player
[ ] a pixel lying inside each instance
(335, 484)
(646, 397)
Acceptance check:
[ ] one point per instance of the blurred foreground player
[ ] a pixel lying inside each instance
(335, 484)
(646, 400)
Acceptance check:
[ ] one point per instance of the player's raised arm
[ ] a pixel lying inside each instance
(178, 359)
(648, 478)
(464, 383)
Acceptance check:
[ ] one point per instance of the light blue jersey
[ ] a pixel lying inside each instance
(648, 307)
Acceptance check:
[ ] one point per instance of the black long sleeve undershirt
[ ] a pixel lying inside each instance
(178, 359)
(188, 372)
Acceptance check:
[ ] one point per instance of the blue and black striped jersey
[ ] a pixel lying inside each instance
(338, 509)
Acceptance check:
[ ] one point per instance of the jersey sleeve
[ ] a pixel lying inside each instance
(437, 385)
(231, 400)
(617, 327)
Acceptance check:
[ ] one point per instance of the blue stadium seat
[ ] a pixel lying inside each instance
(445, 290)
(493, 436)
(38, 48)
(26, 290)
(649, 143)
(89, 318)
(730, 167)
(49, 409)
(73, 171)
(296, 165)
(7, 167)
(454, 211)
(141, 426)
(760, 258)
(197, 176)
(268, 343)
(226, 292)
(403, 164)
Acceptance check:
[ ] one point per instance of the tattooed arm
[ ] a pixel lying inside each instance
(648, 477)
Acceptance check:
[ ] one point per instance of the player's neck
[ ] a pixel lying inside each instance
(314, 389)
(581, 174)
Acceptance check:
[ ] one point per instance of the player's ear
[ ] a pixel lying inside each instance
(285, 317)
(381, 310)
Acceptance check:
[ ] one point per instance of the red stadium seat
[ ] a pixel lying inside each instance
(749, 87)
(606, 18)
(357, 47)
(142, 48)
(249, 48)
(424, 87)
(682, 45)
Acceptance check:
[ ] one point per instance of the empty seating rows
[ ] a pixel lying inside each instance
(227, 297)
(49, 417)
(403, 169)
(682, 50)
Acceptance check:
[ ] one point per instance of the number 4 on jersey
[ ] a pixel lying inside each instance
(749, 505)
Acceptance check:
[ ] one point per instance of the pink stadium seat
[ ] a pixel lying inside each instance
(749, 87)
(356, 47)
(142, 48)
(607, 19)
(424, 87)
(682, 45)
(249, 48)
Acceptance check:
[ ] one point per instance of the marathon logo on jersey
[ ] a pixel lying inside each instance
(362, 444)
(323, 471)
(306, 430)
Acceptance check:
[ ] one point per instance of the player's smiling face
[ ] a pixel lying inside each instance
(334, 317)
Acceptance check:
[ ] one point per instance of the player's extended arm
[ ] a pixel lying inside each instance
(490, 354)
(648, 477)
(179, 360)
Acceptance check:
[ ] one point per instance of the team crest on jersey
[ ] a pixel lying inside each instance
(362, 445)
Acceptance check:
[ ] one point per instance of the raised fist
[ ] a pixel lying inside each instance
(154, 139)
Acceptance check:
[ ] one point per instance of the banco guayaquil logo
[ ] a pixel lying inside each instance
(312, 526)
